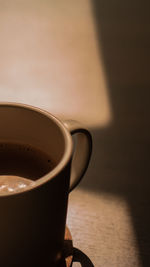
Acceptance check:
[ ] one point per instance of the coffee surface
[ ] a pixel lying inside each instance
(20, 165)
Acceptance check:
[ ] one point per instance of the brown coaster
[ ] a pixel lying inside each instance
(67, 250)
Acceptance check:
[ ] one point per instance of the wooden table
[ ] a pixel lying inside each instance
(89, 61)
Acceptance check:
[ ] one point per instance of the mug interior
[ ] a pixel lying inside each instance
(28, 125)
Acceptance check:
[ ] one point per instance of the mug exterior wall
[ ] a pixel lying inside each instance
(32, 223)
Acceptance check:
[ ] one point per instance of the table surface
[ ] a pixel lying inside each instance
(89, 61)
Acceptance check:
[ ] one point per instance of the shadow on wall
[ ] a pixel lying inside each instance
(120, 161)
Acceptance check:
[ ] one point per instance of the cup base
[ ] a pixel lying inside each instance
(67, 254)
(67, 250)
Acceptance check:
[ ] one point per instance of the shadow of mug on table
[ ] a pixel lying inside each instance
(73, 255)
(80, 257)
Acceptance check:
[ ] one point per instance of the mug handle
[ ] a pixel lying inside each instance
(82, 151)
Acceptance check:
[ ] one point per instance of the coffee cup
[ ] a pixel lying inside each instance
(38, 147)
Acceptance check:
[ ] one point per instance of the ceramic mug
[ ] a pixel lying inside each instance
(32, 221)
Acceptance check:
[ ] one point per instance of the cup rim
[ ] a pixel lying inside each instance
(67, 152)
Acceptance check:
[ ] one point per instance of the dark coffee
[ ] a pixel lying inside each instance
(24, 161)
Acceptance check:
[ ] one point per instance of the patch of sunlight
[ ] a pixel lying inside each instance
(110, 217)
(50, 57)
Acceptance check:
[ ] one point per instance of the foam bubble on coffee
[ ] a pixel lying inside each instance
(13, 184)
